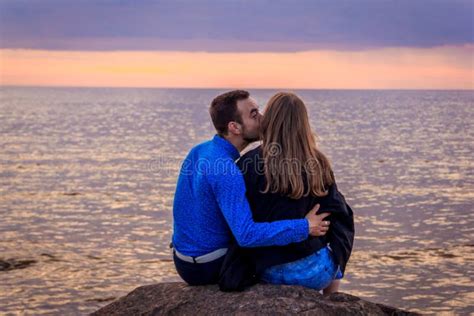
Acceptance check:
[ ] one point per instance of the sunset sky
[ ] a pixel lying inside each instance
(367, 44)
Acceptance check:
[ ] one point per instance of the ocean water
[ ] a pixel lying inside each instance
(87, 178)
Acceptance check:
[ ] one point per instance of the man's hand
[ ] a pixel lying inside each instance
(317, 225)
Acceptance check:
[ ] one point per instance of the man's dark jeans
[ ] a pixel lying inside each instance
(198, 273)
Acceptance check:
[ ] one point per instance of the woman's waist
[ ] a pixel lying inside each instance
(270, 256)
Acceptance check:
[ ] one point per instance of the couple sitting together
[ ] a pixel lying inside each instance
(274, 215)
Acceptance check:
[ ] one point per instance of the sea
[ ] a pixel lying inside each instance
(87, 178)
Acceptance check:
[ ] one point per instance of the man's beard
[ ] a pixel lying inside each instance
(252, 139)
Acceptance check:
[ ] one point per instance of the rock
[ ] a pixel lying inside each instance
(262, 299)
(71, 193)
(12, 264)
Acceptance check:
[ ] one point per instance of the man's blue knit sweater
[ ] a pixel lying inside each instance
(210, 205)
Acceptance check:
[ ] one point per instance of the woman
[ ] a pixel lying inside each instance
(285, 177)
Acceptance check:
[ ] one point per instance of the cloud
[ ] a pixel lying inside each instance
(224, 26)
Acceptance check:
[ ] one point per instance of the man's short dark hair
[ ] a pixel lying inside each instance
(223, 109)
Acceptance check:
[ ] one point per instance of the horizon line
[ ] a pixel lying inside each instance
(229, 88)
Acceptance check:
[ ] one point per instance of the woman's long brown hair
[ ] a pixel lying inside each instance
(290, 153)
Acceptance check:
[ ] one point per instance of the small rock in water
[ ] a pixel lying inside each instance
(71, 193)
(12, 264)
(100, 300)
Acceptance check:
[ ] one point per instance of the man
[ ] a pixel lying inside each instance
(210, 202)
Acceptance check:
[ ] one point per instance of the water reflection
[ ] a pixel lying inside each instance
(87, 180)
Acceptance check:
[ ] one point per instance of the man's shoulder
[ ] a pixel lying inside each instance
(209, 150)
(208, 160)
(202, 150)
(201, 146)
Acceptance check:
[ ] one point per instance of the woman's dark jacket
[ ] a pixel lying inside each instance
(243, 266)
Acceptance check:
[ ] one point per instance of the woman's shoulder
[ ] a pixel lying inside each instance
(251, 161)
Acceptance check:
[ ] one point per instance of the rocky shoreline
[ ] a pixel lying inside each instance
(177, 298)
